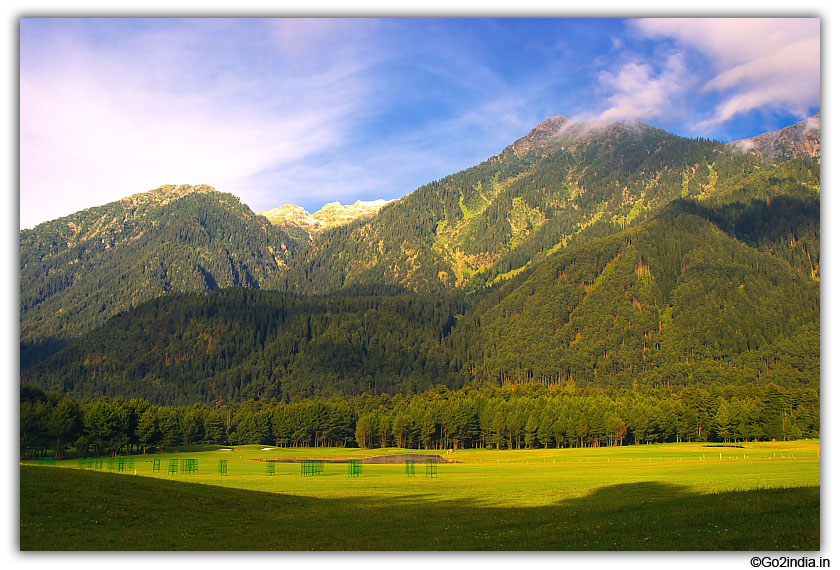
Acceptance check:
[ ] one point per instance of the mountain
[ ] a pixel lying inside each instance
(79, 270)
(674, 301)
(607, 254)
(801, 140)
(563, 183)
(300, 223)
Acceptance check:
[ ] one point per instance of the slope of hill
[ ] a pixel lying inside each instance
(235, 344)
(675, 300)
(695, 295)
(77, 271)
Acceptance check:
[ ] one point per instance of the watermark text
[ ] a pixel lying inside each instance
(789, 562)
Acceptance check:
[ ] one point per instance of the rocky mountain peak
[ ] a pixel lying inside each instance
(330, 215)
(801, 140)
(542, 133)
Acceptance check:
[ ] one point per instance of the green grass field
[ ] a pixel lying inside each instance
(763, 496)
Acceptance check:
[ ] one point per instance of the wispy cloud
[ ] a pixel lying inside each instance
(436, 107)
(637, 91)
(755, 64)
(125, 122)
(286, 110)
(710, 70)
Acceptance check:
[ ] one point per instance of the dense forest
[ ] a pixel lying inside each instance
(239, 343)
(673, 300)
(511, 417)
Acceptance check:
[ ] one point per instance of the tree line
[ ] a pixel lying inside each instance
(512, 416)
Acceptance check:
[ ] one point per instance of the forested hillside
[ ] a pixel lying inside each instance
(77, 271)
(612, 256)
(673, 301)
(235, 344)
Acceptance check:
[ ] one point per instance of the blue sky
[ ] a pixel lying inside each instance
(309, 111)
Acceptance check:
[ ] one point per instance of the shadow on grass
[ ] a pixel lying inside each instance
(65, 509)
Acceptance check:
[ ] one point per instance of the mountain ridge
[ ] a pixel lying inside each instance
(566, 181)
(486, 235)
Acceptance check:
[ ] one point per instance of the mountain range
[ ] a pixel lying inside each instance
(607, 254)
(298, 222)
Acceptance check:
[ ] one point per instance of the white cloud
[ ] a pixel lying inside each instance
(739, 64)
(756, 63)
(638, 92)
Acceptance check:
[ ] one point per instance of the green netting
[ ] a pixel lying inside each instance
(173, 466)
(269, 468)
(223, 466)
(431, 467)
(156, 465)
(121, 464)
(354, 468)
(409, 467)
(191, 465)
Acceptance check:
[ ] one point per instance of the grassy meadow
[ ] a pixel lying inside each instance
(687, 496)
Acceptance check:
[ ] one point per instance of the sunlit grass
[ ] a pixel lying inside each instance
(495, 495)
